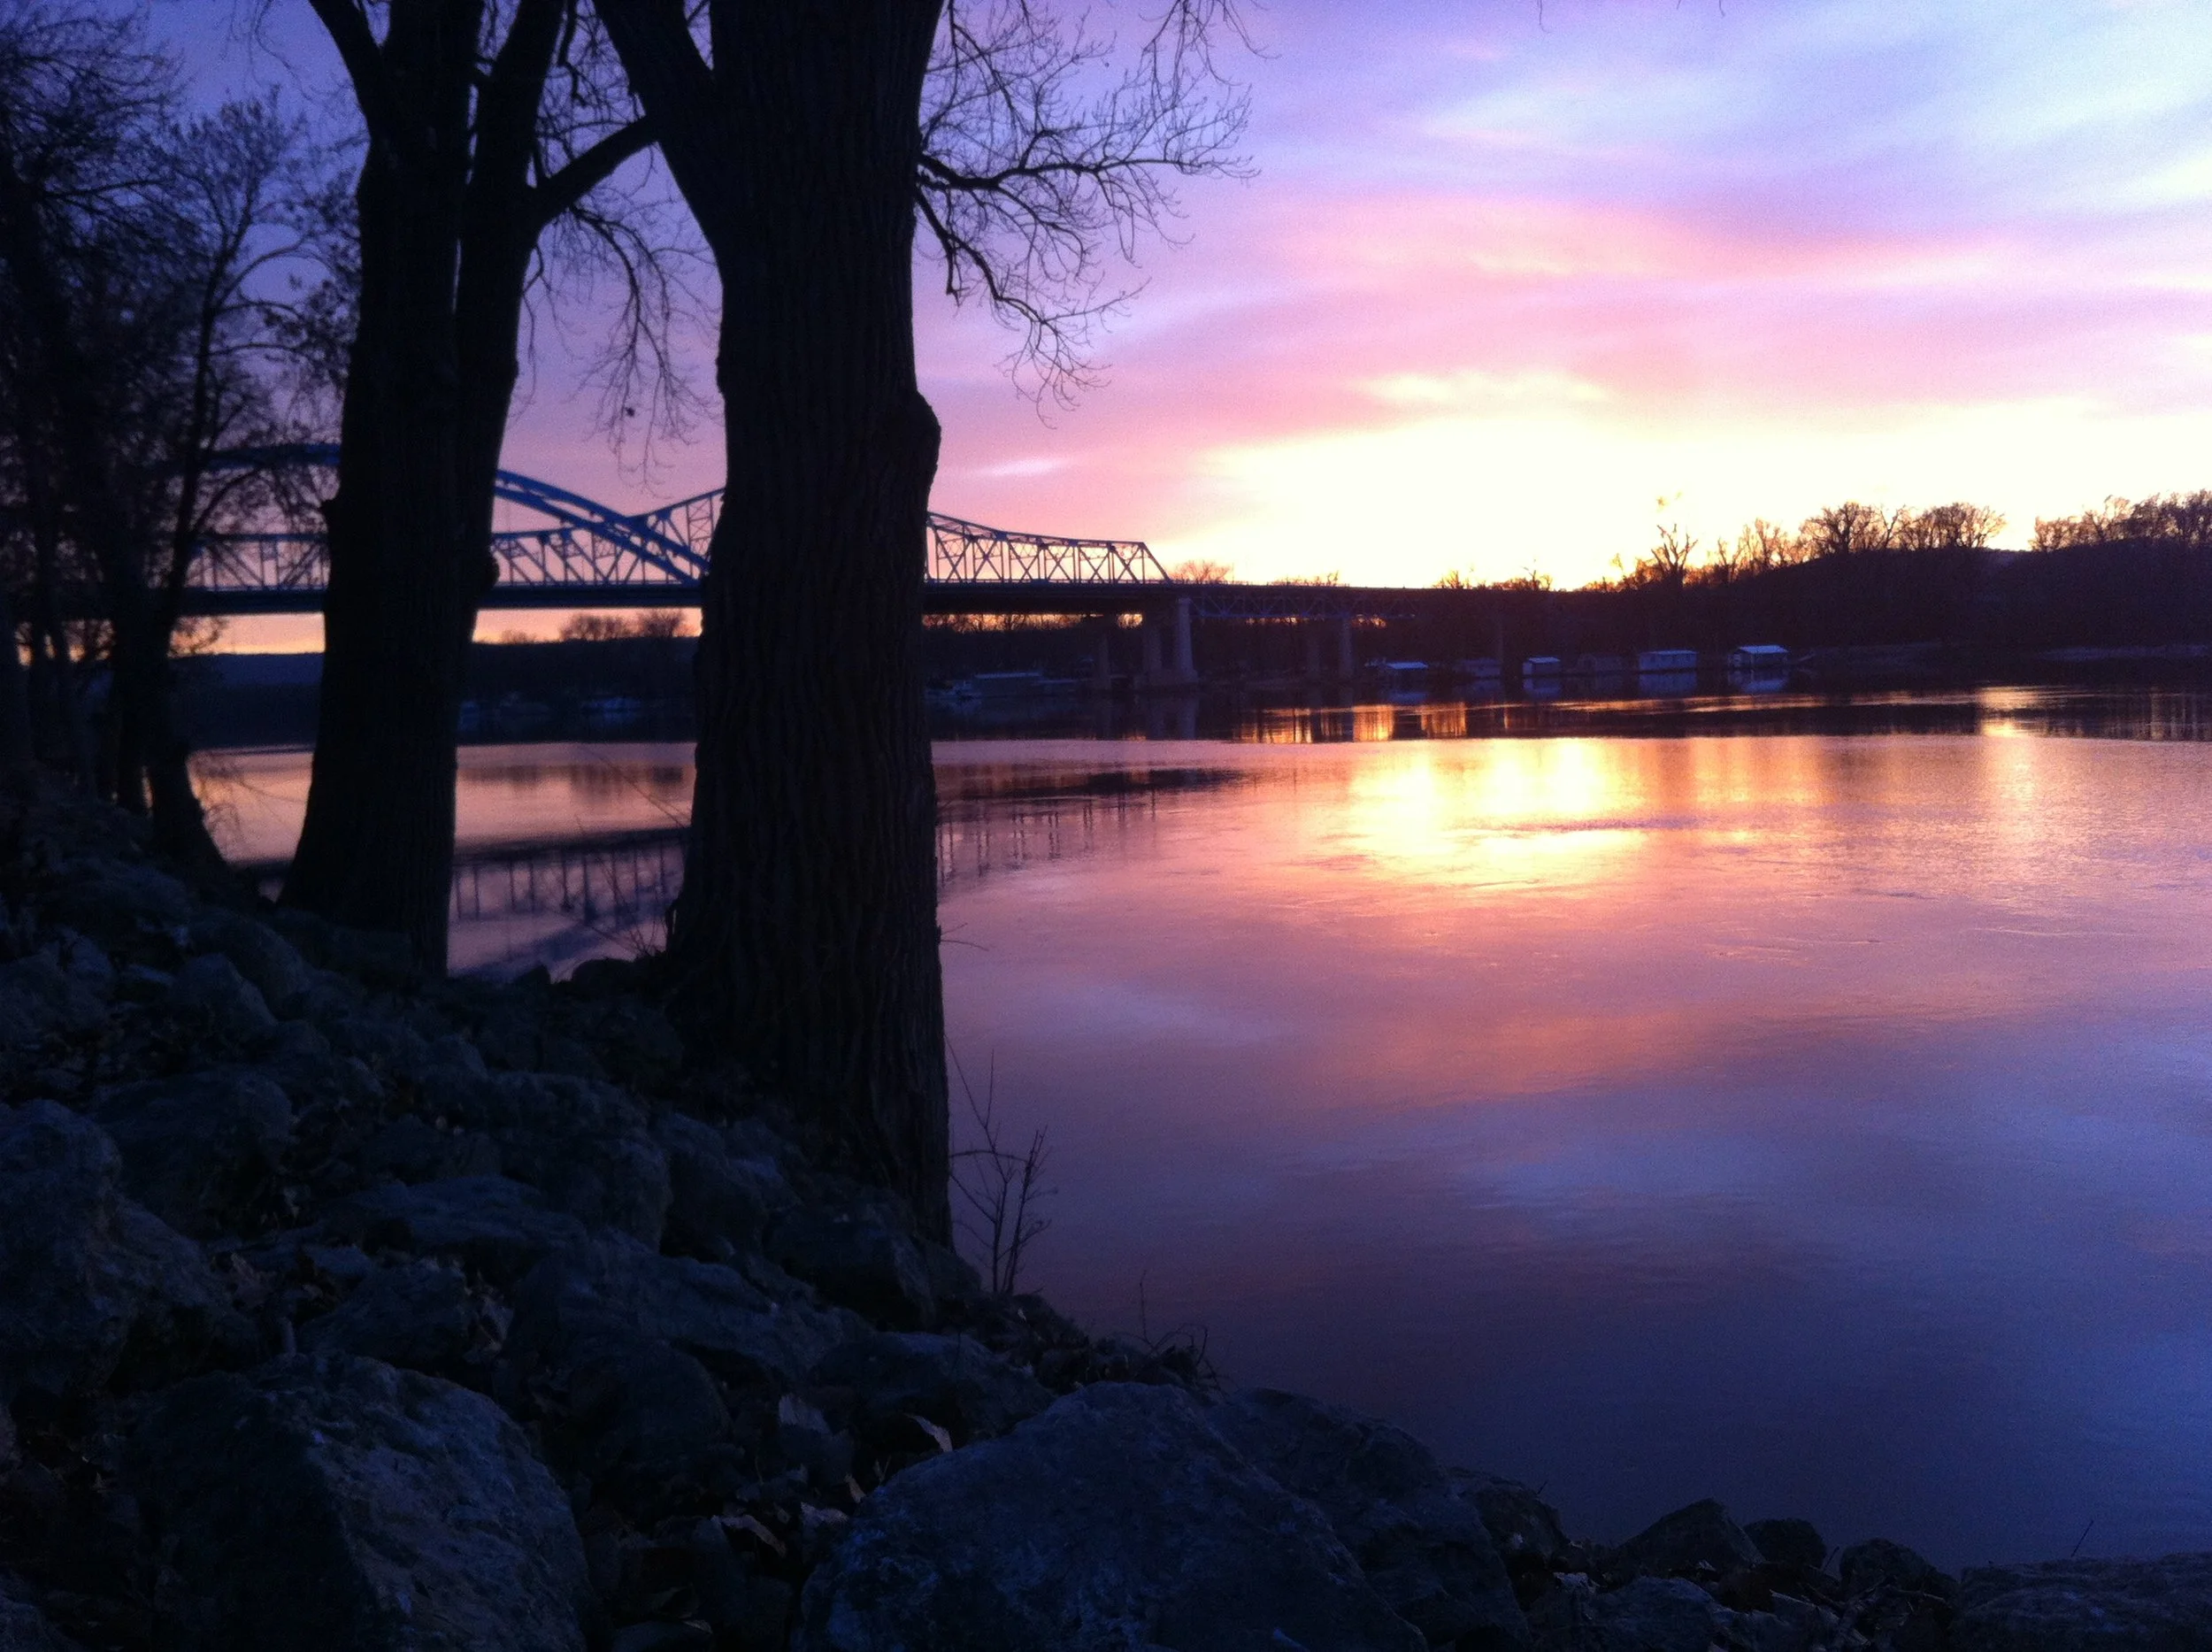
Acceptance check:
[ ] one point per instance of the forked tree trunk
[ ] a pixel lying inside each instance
(451, 205)
(806, 937)
(376, 847)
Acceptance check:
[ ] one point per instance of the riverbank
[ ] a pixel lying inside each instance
(343, 1306)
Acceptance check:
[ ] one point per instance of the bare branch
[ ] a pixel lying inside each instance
(1045, 151)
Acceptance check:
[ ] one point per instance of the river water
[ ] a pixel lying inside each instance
(1646, 1109)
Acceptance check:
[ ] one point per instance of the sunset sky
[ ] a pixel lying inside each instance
(1507, 274)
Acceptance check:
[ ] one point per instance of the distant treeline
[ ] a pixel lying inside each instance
(2129, 573)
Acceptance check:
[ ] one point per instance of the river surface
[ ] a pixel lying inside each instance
(1648, 1109)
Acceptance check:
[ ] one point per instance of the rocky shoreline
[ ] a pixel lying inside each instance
(344, 1308)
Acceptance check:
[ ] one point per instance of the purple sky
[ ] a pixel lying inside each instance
(1505, 279)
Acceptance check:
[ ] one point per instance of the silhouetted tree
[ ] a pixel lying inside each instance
(1844, 530)
(143, 335)
(806, 940)
(487, 121)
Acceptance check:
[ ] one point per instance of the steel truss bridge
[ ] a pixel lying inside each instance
(588, 555)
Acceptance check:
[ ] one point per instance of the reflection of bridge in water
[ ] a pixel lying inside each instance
(614, 890)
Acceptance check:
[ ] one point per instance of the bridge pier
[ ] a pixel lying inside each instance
(1312, 631)
(1344, 665)
(1186, 667)
(1168, 662)
(1103, 664)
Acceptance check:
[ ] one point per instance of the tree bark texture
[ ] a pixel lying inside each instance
(805, 939)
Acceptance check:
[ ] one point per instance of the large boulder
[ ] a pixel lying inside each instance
(419, 1315)
(1785, 1542)
(1877, 1562)
(583, 1144)
(94, 1287)
(1421, 1542)
(336, 1502)
(39, 998)
(113, 901)
(381, 957)
(2087, 1606)
(498, 1227)
(611, 1290)
(629, 1350)
(1524, 1528)
(859, 1258)
(1118, 1519)
(1699, 1538)
(198, 1150)
(210, 990)
(953, 1381)
(23, 1627)
(1650, 1615)
(721, 1199)
(263, 956)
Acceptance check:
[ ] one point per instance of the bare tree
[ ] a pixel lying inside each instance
(1001, 1186)
(139, 249)
(487, 122)
(2174, 519)
(806, 939)
(1846, 529)
(1957, 527)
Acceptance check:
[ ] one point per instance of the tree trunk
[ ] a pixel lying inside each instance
(376, 847)
(806, 937)
(15, 699)
(450, 217)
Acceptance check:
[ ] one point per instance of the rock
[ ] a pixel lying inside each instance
(581, 1142)
(142, 983)
(618, 1181)
(413, 1150)
(1422, 1544)
(643, 1412)
(720, 1201)
(197, 1149)
(1650, 1615)
(2087, 1606)
(1118, 1519)
(497, 1227)
(337, 1502)
(631, 1039)
(420, 1316)
(516, 1035)
(210, 985)
(631, 1343)
(712, 1313)
(952, 1380)
(1522, 1525)
(1788, 1543)
(39, 998)
(381, 959)
(113, 901)
(661, 1638)
(94, 1289)
(1879, 1561)
(856, 1258)
(266, 959)
(84, 963)
(23, 1627)
(385, 1044)
(1700, 1536)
